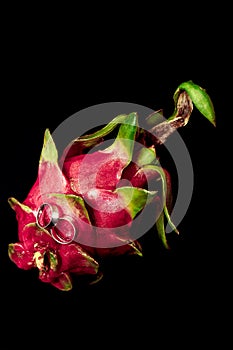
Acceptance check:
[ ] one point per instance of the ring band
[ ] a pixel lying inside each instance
(63, 237)
(52, 214)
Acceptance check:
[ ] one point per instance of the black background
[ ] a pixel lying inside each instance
(48, 77)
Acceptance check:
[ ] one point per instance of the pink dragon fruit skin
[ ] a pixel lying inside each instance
(82, 207)
(83, 192)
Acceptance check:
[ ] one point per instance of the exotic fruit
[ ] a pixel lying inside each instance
(83, 206)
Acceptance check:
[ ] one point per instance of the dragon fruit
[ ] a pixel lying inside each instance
(83, 206)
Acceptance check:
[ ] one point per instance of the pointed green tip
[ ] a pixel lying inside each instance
(63, 282)
(49, 151)
(15, 203)
(98, 277)
(137, 248)
(11, 249)
(214, 122)
(47, 135)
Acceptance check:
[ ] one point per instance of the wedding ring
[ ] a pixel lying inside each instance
(64, 231)
(47, 216)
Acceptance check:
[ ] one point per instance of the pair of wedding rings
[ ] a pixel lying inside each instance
(62, 229)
